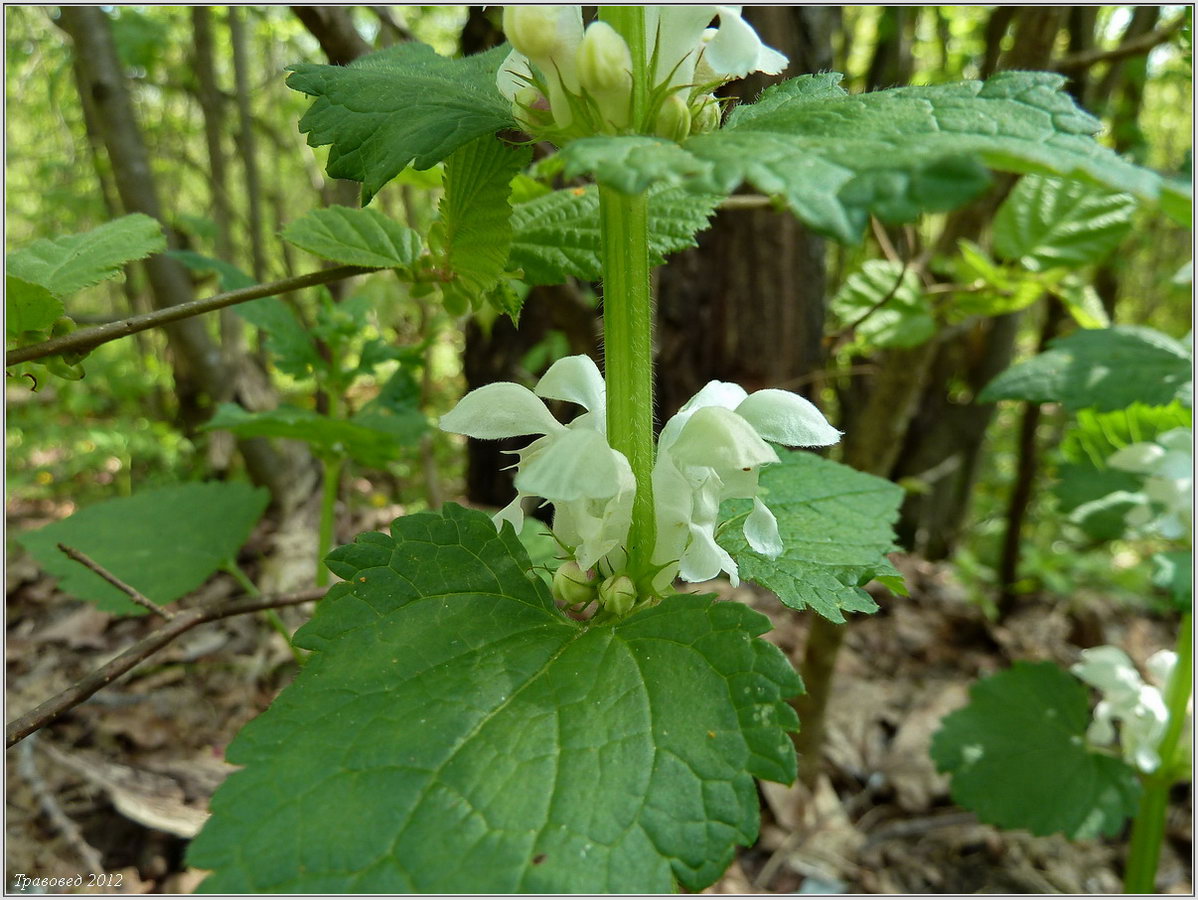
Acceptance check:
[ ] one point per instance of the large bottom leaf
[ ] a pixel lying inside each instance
(453, 732)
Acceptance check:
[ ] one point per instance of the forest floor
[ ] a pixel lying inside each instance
(120, 783)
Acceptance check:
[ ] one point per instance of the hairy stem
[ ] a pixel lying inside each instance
(1148, 829)
(628, 348)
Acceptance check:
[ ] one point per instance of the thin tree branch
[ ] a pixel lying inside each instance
(90, 338)
(1131, 47)
(183, 621)
(134, 594)
(747, 201)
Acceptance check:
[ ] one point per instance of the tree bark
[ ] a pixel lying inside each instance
(202, 369)
(247, 143)
(334, 29)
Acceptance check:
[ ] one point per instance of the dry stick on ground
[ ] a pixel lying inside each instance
(134, 594)
(90, 338)
(184, 620)
(27, 769)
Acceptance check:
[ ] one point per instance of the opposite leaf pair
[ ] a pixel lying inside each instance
(711, 451)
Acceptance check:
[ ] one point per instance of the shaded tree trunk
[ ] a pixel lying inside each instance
(247, 144)
(199, 367)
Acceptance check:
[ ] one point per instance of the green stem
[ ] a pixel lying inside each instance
(270, 616)
(628, 348)
(629, 21)
(1148, 829)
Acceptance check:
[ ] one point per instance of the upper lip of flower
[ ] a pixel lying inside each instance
(571, 466)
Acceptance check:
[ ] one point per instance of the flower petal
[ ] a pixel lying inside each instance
(575, 379)
(676, 31)
(786, 418)
(736, 50)
(513, 512)
(718, 438)
(575, 465)
(761, 531)
(1141, 458)
(500, 410)
(513, 75)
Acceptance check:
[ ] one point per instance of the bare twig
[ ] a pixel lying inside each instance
(70, 832)
(89, 338)
(183, 621)
(134, 594)
(883, 240)
(1131, 47)
(747, 201)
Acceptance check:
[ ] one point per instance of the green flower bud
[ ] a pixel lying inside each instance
(573, 586)
(673, 119)
(604, 60)
(617, 594)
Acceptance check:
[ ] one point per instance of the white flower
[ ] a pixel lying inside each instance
(1166, 505)
(712, 451)
(688, 59)
(1139, 707)
(590, 485)
(689, 53)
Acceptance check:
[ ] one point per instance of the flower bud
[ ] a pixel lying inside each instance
(673, 119)
(617, 594)
(572, 586)
(533, 30)
(604, 60)
(705, 115)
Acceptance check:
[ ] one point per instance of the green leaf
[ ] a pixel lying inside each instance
(453, 732)
(1018, 757)
(401, 106)
(835, 524)
(1096, 499)
(1101, 368)
(72, 262)
(836, 158)
(1048, 222)
(164, 542)
(476, 213)
(1082, 302)
(887, 305)
(557, 234)
(356, 237)
(370, 439)
(28, 307)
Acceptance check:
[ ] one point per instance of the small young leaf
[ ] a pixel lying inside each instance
(1047, 222)
(476, 215)
(356, 237)
(370, 440)
(837, 158)
(886, 304)
(72, 262)
(164, 542)
(835, 524)
(28, 307)
(1101, 368)
(452, 732)
(398, 107)
(557, 234)
(1018, 756)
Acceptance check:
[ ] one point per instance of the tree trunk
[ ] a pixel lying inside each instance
(199, 367)
(247, 144)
